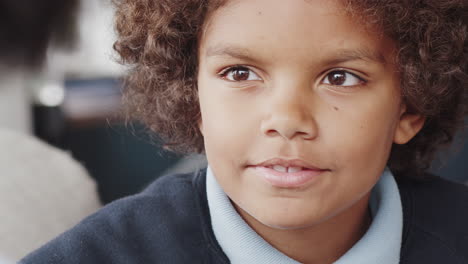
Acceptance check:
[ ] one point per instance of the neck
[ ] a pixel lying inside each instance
(320, 243)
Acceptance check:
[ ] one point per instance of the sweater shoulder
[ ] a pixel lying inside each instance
(168, 199)
(435, 219)
(438, 198)
(168, 184)
(161, 224)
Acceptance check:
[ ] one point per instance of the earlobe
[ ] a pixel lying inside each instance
(200, 126)
(408, 126)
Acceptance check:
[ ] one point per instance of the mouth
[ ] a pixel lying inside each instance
(287, 173)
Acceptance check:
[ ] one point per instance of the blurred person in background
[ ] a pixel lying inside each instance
(28, 28)
(36, 179)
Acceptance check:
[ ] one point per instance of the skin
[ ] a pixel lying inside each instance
(282, 104)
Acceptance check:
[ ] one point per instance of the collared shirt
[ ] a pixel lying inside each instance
(241, 244)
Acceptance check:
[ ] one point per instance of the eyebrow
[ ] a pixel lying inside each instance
(339, 56)
(231, 51)
(357, 54)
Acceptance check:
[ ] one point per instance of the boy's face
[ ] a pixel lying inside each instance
(297, 80)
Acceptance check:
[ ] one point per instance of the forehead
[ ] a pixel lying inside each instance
(293, 29)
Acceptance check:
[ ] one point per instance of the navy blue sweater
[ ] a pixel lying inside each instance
(169, 222)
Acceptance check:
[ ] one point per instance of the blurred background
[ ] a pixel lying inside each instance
(65, 150)
(60, 83)
(70, 98)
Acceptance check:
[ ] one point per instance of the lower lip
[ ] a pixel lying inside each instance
(287, 179)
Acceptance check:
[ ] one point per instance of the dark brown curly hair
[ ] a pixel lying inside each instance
(158, 39)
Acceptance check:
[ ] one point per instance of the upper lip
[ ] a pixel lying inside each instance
(288, 163)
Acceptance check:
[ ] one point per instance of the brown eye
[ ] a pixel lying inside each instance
(239, 73)
(337, 78)
(342, 78)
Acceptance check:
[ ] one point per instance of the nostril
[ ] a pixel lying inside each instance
(305, 135)
(288, 128)
(301, 134)
(271, 132)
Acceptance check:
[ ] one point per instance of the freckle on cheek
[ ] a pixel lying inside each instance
(336, 108)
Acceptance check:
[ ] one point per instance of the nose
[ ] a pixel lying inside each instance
(289, 117)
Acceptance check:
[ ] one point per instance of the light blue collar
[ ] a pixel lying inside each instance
(241, 244)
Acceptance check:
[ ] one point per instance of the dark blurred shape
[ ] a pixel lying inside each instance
(28, 26)
(452, 163)
(120, 157)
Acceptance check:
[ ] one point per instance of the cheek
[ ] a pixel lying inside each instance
(362, 136)
(358, 144)
(226, 112)
(229, 124)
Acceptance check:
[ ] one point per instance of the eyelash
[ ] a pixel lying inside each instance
(227, 70)
(361, 80)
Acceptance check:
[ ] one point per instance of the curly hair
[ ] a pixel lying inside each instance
(159, 41)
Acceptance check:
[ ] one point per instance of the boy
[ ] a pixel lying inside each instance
(307, 112)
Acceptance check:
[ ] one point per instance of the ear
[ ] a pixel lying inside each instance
(408, 126)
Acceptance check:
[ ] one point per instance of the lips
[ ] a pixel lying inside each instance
(285, 169)
(285, 163)
(287, 173)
